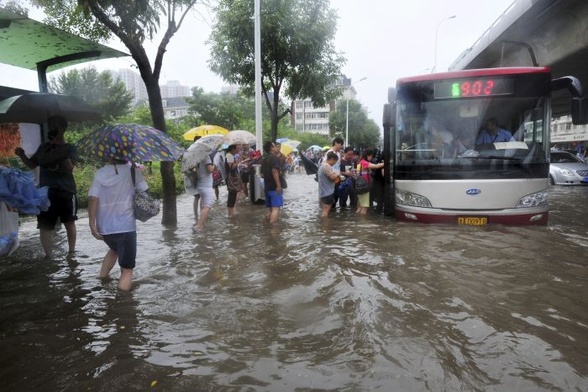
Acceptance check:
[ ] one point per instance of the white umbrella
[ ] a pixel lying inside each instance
(239, 137)
(212, 141)
(196, 153)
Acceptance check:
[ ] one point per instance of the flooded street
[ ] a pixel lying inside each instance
(343, 304)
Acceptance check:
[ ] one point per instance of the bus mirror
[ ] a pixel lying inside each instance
(389, 117)
(392, 95)
(579, 111)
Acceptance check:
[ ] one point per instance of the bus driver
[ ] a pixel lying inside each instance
(493, 133)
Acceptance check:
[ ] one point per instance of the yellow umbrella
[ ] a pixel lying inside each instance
(204, 130)
(286, 149)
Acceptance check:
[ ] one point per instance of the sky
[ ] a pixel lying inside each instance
(382, 41)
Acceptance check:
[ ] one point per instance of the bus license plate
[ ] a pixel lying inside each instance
(472, 220)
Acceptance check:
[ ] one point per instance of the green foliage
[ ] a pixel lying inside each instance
(363, 132)
(68, 16)
(298, 55)
(14, 6)
(110, 97)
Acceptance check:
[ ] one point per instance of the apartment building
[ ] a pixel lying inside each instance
(307, 117)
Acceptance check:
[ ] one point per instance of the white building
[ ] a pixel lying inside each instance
(308, 118)
(133, 83)
(173, 89)
(564, 132)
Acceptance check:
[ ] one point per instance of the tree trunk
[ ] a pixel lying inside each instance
(275, 115)
(169, 215)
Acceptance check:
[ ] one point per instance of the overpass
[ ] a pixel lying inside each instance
(551, 33)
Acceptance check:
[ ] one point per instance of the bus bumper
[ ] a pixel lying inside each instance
(517, 217)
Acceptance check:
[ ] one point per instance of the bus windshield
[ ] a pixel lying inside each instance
(447, 133)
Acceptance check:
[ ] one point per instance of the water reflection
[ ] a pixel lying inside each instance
(345, 303)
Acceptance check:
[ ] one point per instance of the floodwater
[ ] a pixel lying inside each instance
(342, 304)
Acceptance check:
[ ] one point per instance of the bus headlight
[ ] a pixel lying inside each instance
(533, 200)
(411, 199)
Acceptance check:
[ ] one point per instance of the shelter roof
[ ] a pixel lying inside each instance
(27, 43)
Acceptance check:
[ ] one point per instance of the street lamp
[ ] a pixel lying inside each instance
(347, 113)
(436, 34)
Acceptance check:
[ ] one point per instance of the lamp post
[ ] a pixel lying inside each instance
(436, 34)
(347, 113)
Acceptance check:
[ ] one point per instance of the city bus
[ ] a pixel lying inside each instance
(472, 147)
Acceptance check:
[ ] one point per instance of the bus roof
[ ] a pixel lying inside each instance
(472, 73)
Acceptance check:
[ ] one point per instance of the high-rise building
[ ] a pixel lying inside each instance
(173, 89)
(133, 83)
(306, 117)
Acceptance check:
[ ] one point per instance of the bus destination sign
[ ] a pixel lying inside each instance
(474, 88)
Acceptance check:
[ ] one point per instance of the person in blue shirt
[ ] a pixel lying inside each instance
(493, 133)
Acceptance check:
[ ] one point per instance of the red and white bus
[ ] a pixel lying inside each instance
(448, 162)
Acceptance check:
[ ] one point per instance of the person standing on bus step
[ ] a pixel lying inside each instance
(493, 133)
(364, 168)
(56, 160)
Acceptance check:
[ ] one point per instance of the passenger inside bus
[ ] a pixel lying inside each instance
(493, 133)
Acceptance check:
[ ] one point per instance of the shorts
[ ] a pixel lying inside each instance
(206, 197)
(330, 200)
(273, 199)
(64, 206)
(125, 246)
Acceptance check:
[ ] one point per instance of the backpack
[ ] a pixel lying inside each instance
(193, 176)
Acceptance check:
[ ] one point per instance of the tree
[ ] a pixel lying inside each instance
(226, 110)
(132, 22)
(110, 97)
(363, 132)
(231, 111)
(297, 51)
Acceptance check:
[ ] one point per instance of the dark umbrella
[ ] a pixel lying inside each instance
(309, 166)
(38, 107)
(129, 142)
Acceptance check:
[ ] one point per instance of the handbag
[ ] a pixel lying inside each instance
(361, 184)
(234, 182)
(144, 205)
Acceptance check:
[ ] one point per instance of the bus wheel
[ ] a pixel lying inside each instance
(551, 180)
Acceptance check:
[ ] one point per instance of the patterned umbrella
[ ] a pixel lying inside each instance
(204, 130)
(130, 142)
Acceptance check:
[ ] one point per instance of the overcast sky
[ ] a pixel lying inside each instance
(381, 39)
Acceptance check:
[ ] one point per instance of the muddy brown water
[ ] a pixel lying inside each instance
(343, 304)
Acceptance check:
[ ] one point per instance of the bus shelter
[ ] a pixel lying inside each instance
(29, 44)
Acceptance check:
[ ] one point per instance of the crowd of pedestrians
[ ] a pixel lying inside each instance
(111, 194)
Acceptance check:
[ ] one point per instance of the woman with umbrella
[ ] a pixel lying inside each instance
(197, 168)
(112, 219)
(111, 212)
